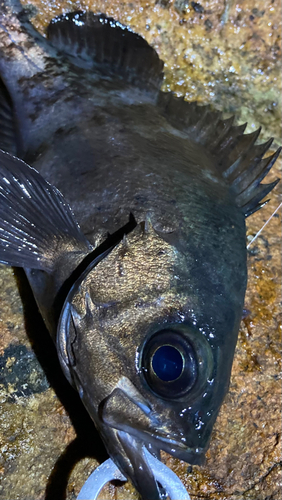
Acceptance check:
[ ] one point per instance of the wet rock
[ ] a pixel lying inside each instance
(181, 6)
(20, 373)
(197, 7)
(48, 446)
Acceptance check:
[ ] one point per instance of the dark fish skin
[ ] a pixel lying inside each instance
(172, 195)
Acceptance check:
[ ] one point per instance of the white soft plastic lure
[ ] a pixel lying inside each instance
(108, 471)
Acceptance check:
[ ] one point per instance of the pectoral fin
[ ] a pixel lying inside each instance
(36, 224)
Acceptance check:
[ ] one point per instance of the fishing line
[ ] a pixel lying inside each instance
(265, 224)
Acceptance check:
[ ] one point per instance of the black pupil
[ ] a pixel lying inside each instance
(167, 363)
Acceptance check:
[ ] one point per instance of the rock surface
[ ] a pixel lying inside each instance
(220, 52)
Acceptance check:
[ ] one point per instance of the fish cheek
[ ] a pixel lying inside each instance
(90, 357)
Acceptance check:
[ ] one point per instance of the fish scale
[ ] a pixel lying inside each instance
(126, 159)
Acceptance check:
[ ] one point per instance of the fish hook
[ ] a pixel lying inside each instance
(108, 471)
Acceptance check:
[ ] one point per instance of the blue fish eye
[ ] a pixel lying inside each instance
(167, 363)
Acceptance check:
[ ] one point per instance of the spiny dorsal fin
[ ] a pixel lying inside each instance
(7, 123)
(238, 159)
(108, 46)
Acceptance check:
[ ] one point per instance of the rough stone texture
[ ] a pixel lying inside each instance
(224, 52)
(220, 52)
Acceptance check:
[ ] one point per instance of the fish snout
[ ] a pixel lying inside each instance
(134, 416)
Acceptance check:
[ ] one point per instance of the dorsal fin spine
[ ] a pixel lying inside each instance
(257, 166)
(237, 157)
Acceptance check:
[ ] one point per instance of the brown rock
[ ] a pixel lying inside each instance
(226, 55)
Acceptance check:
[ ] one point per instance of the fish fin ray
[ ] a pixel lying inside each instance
(36, 224)
(247, 172)
(252, 166)
(109, 46)
(237, 157)
(188, 117)
(250, 199)
(8, 140)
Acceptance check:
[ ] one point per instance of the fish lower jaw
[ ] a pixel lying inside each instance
(191, 455)
(157, 442)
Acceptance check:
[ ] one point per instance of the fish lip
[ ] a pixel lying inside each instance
(156, 441)
(192, 455)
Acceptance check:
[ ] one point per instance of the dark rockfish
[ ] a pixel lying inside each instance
(144, 297)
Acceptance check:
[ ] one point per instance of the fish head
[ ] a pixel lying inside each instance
(148, 374)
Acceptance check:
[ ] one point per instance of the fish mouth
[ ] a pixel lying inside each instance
(158, 441)
(152, 479)
(126, 411)
(137, 430)
(193, 456)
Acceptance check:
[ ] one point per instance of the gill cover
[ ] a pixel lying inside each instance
(66, 324)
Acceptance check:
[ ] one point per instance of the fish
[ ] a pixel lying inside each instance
(126, 207)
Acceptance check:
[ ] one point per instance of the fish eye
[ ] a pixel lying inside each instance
(176, 361)
(167, 363)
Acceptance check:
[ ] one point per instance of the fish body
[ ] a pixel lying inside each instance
(141, 282)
